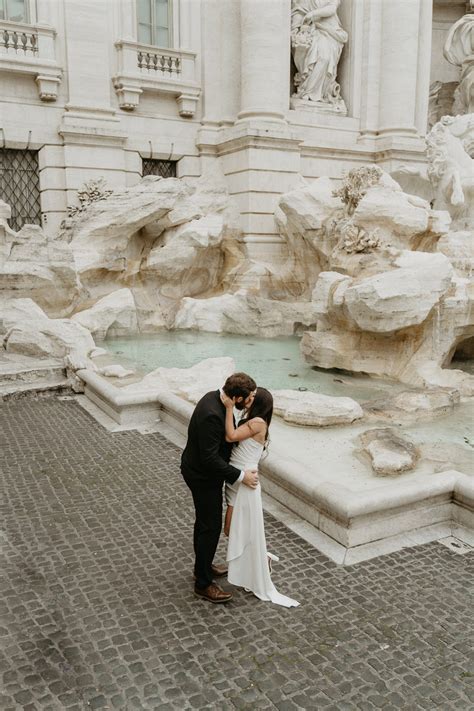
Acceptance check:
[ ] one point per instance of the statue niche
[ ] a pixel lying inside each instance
(317, 40)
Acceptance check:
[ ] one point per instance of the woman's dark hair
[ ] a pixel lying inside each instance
(239, 385)
(262, 406)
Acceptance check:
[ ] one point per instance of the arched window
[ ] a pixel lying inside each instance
(14, 10)
(154, 22)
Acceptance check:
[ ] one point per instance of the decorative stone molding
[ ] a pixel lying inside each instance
(142, 67)
(30, 49)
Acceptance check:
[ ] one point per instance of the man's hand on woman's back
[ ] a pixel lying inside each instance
(250, 478)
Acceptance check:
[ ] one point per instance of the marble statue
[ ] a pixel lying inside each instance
(451, 168)
(317, 39)
(459, 50)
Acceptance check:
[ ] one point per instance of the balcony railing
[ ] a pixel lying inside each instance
(24, 42)
(30, 49)
(158, 62)
(142, 67)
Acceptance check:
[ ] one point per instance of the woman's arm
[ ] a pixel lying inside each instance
(237, 434)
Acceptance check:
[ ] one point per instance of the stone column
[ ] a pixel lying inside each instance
(265, 59)
(405, 38)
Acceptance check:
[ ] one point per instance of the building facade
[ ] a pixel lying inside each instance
(120, 88)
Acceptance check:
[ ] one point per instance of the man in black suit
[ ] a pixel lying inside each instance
(205, 467)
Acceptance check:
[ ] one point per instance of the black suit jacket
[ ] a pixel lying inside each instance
(205, 458)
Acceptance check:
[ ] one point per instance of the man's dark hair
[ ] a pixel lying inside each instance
(239, 385)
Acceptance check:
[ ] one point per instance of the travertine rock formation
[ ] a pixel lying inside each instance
(35, 266)
(393, 307)
(161, 239)
(156, 242)
(412, 406)
(25, 329)
(113, 315)
(189, 383)
(389, 453)
(308, 408)
(245, 313)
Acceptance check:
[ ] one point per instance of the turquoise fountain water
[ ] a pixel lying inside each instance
(275, 363)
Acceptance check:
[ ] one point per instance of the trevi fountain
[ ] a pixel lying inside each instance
(146, 298)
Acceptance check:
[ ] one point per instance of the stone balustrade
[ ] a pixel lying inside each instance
(18, 40)
(30, 49)
(159, 62)
(145, 67)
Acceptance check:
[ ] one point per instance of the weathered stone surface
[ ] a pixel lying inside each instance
(399, 298)
(413, 405)
(313, 409)
(113, 315)
(189, 258)
(428, 373)
(458, 246)
(96, 352)
(33, 265)
(389, 453)
(115, 371)
(309, 206)
(189, 383)
(171, 231)
(382, 305)
(245, 313)
(28, 331)
(324, 293)
(393, 211)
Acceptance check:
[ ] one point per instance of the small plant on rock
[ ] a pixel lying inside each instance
(355, 185)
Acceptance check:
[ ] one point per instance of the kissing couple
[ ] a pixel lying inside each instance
(217, 452)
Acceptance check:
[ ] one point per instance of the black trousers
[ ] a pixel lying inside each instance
(207, 529)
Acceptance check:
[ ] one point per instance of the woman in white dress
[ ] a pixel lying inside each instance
(247, 556)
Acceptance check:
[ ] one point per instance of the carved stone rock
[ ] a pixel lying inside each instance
(313, 409)
(389, 453)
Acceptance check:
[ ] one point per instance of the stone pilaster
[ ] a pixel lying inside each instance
(395, 79)
(265, 59)
(405, 37)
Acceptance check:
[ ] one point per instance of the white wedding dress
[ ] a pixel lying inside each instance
(247, 548)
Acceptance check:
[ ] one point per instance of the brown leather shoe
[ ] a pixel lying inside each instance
(213, 593)
(218, 571)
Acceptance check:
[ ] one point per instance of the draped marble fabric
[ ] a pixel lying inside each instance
(317, 40)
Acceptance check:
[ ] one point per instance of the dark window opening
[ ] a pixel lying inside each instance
(163, 168)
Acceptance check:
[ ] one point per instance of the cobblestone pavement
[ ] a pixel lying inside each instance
(97, 610)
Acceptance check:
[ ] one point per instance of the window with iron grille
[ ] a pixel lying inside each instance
(164, 168)
(19, 186)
